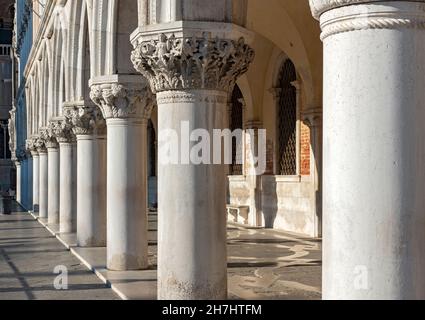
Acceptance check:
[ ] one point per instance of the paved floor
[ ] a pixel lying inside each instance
(28, 256)
(262, 264)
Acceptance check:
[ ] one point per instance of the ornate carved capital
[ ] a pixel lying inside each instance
(123, 101)
(172, 63)
(40, 141)
(85, 120)
(30, 145)
(62, 130)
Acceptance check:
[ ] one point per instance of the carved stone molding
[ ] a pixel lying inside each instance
(85, 120)
(371, 21)
(350, 17)
(172, 63)
(320, 6)
(178, 96)
(123, 101)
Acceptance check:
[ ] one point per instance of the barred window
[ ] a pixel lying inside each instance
(236, 122)
(287, 119)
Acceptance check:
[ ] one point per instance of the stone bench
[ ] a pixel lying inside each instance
(237, 213)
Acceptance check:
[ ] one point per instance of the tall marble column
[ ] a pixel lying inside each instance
(28, 180)
(43, 174)
(18, 165)
(53, 186)
(373, 148)
(68, 176)
(191, 73)
(253, 170)
(89, 127)
(31, 145)
(126, 106)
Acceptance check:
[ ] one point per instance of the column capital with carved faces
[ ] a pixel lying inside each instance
(193, 58)
(84, 118)
(124, 100)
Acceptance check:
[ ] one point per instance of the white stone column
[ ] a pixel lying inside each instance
(43, 184)
(253, 180)
(43, 174)
(53, 185)
(18, 165)
(62, 130)
(35, 175)
(28, 179)
(374, 149)
(126, 110)
(91, 174)
(192, 260)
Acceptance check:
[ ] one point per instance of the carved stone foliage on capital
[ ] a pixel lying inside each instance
(120, 101)
(171, 63)
(40, 141)
(30, 145)
(62, 130)
(85, 120)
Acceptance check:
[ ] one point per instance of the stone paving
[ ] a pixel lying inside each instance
(28, 257)
(262, 264)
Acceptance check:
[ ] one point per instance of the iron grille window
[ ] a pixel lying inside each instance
(287, 119)
(236, 122)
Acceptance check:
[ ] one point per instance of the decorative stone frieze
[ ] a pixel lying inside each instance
(173, 63)
(123, 101)
(85, 119)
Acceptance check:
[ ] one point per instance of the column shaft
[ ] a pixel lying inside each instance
(127, 246)
(68, 187)
(53, 185)
(35, 181)
(43, 185)
(18, 182)
(374, 151)
(191, 204)
(91, 191)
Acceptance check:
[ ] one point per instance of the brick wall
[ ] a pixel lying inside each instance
(305, 150)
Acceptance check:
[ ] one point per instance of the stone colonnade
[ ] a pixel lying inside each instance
(373, 153)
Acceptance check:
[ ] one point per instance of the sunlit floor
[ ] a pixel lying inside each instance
(29, 255)
(262, 264)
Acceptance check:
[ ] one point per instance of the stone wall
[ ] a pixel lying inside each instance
(286, 202)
